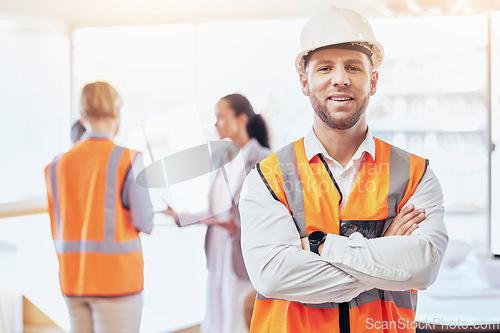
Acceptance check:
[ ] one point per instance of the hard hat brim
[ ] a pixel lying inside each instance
(377, 57)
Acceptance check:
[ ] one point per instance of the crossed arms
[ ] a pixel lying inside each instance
(279, 267)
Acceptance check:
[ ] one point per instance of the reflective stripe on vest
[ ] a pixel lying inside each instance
(108, 245)
(309, 191)
(400, 298)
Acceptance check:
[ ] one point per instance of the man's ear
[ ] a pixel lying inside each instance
(373, 83)
(304, 83)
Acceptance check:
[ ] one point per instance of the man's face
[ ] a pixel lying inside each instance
(339, 84)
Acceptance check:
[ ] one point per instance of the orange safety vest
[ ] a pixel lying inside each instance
(312, 197)
(99, 251)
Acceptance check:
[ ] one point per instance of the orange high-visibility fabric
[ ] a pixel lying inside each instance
(283, 316)
(368, 198)
(367, 201)
(81, 179)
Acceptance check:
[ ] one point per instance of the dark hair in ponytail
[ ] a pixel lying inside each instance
(256, 126)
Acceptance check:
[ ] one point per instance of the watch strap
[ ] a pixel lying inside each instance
(314, 248)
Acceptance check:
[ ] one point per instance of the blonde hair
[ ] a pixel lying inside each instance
(100, 100)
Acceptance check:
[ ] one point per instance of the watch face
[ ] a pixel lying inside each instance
(316, 237)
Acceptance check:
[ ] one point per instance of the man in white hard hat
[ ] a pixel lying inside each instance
(331, 234)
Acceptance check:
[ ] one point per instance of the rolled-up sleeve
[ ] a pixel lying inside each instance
(136, 199)
(397, 262)
(275, 261)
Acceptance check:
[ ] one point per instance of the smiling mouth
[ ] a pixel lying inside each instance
(340, 99)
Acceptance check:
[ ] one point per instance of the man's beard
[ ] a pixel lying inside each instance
(340, 124)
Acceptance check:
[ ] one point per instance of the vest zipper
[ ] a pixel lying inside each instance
(343, 307)
(344, 318)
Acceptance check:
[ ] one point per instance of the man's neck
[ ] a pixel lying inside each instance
(341, 145)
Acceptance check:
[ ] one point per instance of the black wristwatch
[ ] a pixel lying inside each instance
(315, 240)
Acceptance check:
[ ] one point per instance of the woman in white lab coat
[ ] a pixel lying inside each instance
(228, 282)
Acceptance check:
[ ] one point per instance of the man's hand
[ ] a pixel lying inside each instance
(406, 222)
(403, 224)
(305, 244)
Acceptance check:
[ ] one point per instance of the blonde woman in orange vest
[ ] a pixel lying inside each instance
(339, 228)
(97, 211)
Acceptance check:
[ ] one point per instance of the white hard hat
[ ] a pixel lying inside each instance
(339, 26)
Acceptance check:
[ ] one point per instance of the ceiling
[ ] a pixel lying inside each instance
(77, 13)
(118, 12)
